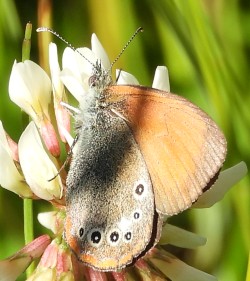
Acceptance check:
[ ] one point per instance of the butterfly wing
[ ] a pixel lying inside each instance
(110, 219)
(182, 146)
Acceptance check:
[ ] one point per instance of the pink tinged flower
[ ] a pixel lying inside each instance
(147, 272)
(13, 266)
(93, 275)
(53, 220)
(120, 276)
(10, 177)
(55, 264)
(9, 144)
(38, 167)
(227, 179)
(62, 115)
(30, 89)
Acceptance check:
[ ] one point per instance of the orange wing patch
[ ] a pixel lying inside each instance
(183, 147)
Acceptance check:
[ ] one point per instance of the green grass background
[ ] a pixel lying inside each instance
(206, 46)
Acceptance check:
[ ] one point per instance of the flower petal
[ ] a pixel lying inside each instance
(62, 116)
(73, 84)
(37, 166)
(79, 62)
(125, 78)
(181, 238)
(13, 266)
(99, 51)
(226, 180)
(49, 137)
(52, 220)
(177, 270)
(57, 85)
(30, 89)
(8, 144)
(161, 79)
(55, 264)
(10, 178)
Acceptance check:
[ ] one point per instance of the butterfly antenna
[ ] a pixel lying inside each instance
(46, 29)
(140, 29)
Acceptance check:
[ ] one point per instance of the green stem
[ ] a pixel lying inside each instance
(28, 228)
(27, 203)
(27, 42)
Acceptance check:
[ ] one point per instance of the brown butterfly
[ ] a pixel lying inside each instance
(141, 153)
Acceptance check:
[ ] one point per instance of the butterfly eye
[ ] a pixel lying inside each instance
(92, 80)
(81, 232)
(139, 189)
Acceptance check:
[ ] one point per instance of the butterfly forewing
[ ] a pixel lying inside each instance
(182, 146)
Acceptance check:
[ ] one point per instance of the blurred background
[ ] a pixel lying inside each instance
(206, 47)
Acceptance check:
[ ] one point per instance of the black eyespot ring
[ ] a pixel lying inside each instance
(139, 189)
(81, 232)
(128, 236)
(114, 236)
(136, 215)
(96, 237)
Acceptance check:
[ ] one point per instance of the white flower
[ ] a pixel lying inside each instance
(10, 177)
(161, 79)
(227, 179)
(52, 220)
(125, 78)
(37, 166)
(77, 70)
(59, 96)
(30, 89)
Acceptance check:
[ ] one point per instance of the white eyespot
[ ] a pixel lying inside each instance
(95, 237)
(137, 215)
(114, 236)
(140, 189)
(124, 224)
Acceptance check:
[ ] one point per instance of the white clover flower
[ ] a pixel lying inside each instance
(52, 220)
(77, 70)
(10, 176)
(30, 89)
(59, 96)
(37, 166)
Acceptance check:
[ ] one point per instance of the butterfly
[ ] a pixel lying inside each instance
(141, 153)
